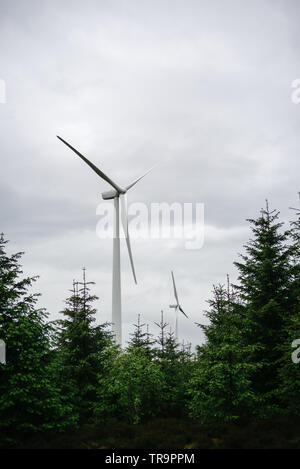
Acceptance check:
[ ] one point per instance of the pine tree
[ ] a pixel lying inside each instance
(161, 339)
(131, 388)
(81, 349)
(295, 288)
(220, 387)
(29, 400)
(264, 285)
(176, 369)
(140, 340)
(289, 375)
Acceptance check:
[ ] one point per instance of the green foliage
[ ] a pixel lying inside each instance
(220, 387)
(69, 372)
(176, 366)
(131, 387)
(143, 382)
(266, 289)
(80, 351)
(265, 279)
(289, 374)
(29, 399)
(141, 340)
(239, 367)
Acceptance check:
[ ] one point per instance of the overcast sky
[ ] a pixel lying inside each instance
(201, 87)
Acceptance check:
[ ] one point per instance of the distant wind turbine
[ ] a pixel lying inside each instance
(177, 308)
(117, 194)
(297, 209)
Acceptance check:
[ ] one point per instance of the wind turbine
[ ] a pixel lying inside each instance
(297, 209)
(177, 308)
(118, 194)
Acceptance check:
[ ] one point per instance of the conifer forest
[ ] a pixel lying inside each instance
(67, 384)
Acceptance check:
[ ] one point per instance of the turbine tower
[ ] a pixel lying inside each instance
(177, 308)
(119, 197)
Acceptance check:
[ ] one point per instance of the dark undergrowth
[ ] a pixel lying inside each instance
(172, 433)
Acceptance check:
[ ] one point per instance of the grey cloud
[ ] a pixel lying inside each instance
(202, 87)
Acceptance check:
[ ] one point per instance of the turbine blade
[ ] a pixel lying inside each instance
(124, 218)
(138, 179)
(180, 308)
(175, 291)
(91, 165)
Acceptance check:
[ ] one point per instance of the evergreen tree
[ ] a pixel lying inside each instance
(220, 387)
(131, 388)
(141, 340)
(29, 400)
(289, 376)
(176, 369)
(295, 286)
(81, 349)
(265, 278)
(161, 339)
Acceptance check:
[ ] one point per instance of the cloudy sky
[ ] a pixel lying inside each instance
(201, 87)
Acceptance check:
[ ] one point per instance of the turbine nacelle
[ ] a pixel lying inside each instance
(108, 195)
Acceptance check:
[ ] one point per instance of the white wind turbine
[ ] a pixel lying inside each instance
(118, 194)
(177, 308)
